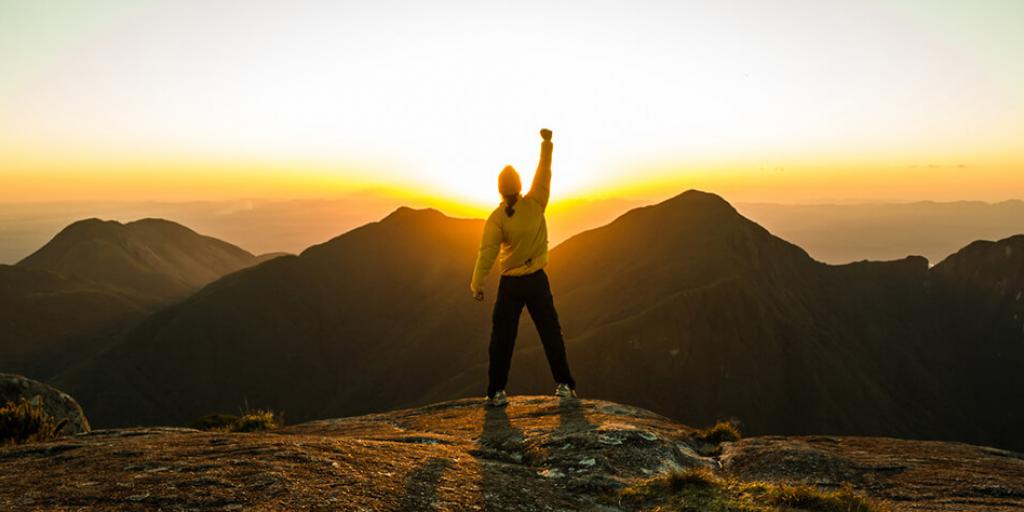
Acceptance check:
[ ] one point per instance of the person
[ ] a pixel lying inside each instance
(516, 235)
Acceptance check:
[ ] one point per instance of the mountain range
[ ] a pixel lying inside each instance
(685, 307)
(841, 233)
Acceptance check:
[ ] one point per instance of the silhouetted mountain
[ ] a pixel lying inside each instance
(654, 252)
(352, 325)
(979, 295)
(47, 318)
(66, 301)
(149, 257)
(684, 307)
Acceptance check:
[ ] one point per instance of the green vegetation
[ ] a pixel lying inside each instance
(256, 420)
(25, 422)
(701, 490)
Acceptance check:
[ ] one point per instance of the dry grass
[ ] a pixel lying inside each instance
(803, 497)
(256, 420)
(24, 422)
(721, 432)
(708, 442)
(701, 490)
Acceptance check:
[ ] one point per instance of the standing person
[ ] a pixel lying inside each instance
(516, 235)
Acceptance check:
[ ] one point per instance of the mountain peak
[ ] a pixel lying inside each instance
(155, 257)
(405, 214)
(90, 227)
(1007, 251)
(997, 267)
(696, 197)
(92, 221)
(679, 224)
(417, 226)
(95, 229)
(157, 223)
(690, 207)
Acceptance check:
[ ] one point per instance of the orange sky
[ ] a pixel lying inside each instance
(789, 101)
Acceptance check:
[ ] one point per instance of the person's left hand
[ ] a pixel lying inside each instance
(479, 296)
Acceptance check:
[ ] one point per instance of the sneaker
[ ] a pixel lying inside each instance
(564, 391)
(498, 400)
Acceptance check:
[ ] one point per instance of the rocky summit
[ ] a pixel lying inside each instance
(537, 454)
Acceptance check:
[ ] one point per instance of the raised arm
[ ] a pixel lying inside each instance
(540, 190)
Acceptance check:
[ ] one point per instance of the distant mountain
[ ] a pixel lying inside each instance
(71, 297)
(685, 307)
(841, 233)
(150, 257)
(46, 318)
(349, 326)
(271, 255)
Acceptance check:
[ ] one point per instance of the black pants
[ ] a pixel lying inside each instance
(534, 292)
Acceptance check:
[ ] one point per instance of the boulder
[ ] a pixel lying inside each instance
(55, 402)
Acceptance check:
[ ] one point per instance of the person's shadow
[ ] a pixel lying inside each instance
(500, 442)
(421, 485)
(572, 418)
(501, 456)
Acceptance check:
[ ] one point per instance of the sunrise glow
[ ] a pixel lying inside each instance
(792, 101)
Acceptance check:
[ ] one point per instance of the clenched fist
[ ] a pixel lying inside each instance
(545, 134)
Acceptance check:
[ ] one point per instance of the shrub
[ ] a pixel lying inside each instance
(702, 490)
(803, 497)
(700, 477)
(708, 442)
(722, 432)
(26, 422)
(215, 422)
(256, 420)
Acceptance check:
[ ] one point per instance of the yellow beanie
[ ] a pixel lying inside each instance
(508, 182)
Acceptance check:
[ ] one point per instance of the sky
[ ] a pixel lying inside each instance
(425, 102)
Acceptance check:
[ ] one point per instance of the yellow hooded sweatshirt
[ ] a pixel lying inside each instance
(519, 242)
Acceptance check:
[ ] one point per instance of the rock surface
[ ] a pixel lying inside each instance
(538, 454)
(908, 475)
(55, 402)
